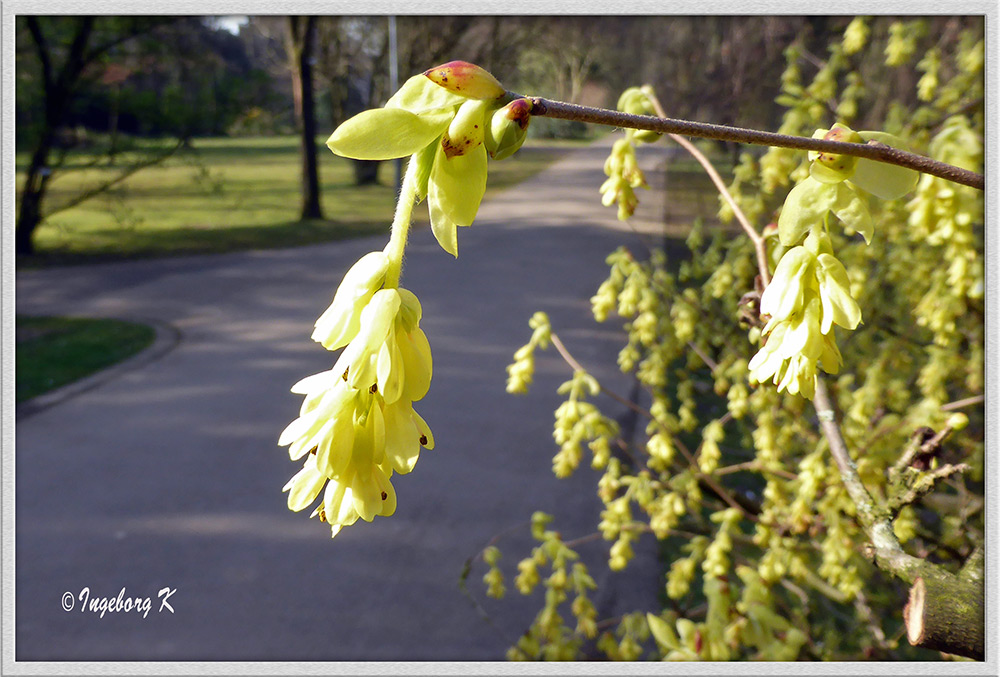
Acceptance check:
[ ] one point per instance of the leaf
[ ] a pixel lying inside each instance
(853, 211)
(457, 185)
(804, 207)
(884, 180)
(386, 133)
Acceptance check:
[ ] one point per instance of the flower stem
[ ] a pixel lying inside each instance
(401, 225)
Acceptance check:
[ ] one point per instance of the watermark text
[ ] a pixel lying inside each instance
(123, 603)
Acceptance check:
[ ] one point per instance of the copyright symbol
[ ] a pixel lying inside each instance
(67, 601)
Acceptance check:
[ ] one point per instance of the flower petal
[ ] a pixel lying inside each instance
(880, 179)
(426, 436)
(457, 184)
(402, 439)
(391, 369)
(340, 322)
(360, 357)
(366, 493)
(445, 230)
(839, 307)
(806, 205)
(786, 292)
(416, 355)
(304, 486)
(853, 211)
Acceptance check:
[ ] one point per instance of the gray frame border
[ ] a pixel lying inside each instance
(10, 8)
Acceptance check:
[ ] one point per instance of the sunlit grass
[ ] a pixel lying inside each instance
(227, 194)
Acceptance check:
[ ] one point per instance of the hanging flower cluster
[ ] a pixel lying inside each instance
(810, 291)
(808, 294)
(357, 426)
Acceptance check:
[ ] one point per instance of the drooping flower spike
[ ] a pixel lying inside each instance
(357, 426)
(809, 293)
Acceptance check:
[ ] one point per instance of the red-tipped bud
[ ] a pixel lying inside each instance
(842, 165)
(508, 128)
(466, 79)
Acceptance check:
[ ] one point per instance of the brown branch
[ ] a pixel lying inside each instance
(874, 519)
(871, 150)
(947, 616)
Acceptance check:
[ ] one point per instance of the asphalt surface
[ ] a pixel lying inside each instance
(167, 474)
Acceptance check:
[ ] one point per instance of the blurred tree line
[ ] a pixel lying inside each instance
(103, 83)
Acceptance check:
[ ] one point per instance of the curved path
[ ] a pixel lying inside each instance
(168, 474)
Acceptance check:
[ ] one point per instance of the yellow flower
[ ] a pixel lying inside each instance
(357, 425)
(808, 294)
(340, 323)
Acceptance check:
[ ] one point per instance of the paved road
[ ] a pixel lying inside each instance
(169, 474)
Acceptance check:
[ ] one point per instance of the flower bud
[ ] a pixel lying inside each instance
(508, 128)
(840, 166)
(466, 79)
(465, 132)
(958, 421)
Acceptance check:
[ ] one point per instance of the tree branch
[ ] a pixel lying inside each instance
(945, 611)
(871, 150)
(124, 174)
(42, 47)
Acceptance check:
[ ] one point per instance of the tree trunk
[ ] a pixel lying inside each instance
(302, 32)
(30, 211)
(58, 89)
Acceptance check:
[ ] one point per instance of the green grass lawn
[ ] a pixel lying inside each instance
(228, 194)
(53, 351)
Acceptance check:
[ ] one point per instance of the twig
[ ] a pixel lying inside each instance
(923, 442)
(755, 237)
(923, 485)
(754, 466)
(467, 570)
(871, 150)
(967, 402)
(865, 611)
(712, 364)
(719, 490)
